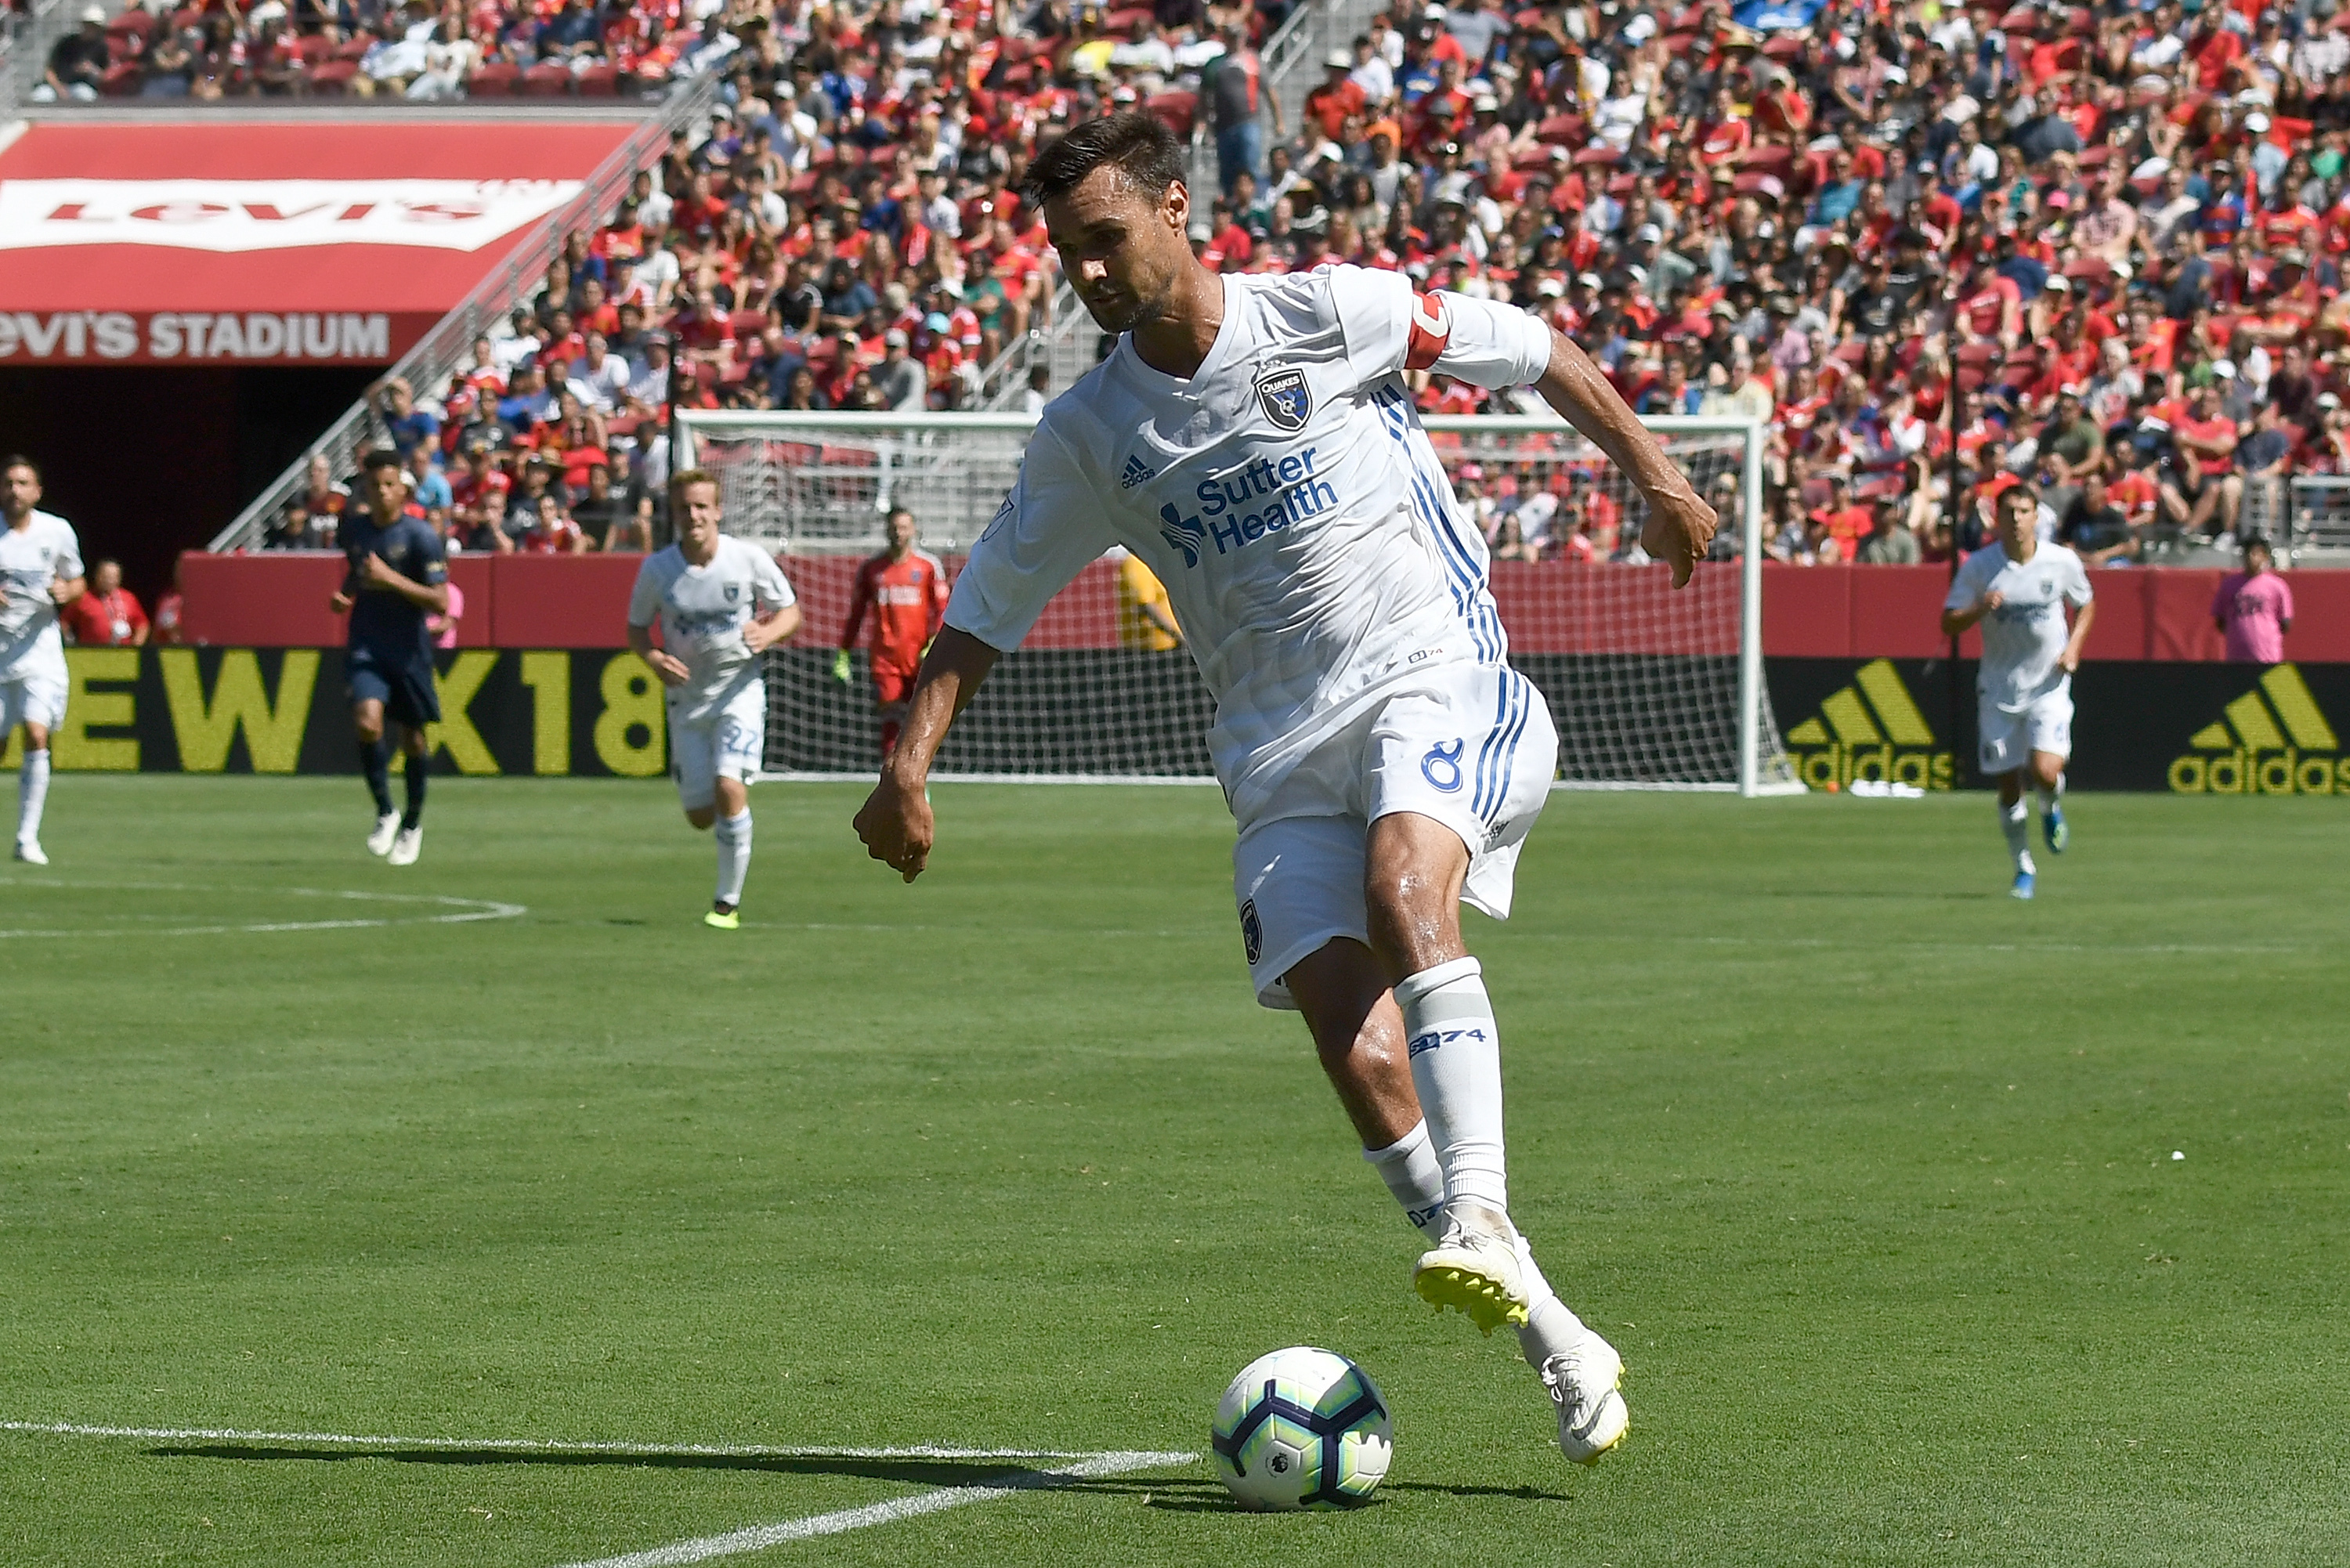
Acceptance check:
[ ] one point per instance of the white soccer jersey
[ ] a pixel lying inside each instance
(2024, 637)
(1285, 494)
(702, 611)
(31, 559)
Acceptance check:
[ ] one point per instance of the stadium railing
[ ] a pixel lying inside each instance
(27, 38)
(441, 352)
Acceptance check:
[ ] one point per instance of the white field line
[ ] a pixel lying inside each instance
(1080, 1466)
(759, 1537)
(540, 1445)
(462, 910)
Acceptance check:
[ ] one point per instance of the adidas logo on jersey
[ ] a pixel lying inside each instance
(2273, 740)
(1136, 472)
(1872, 730)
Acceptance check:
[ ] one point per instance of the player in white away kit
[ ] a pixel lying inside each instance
(721, 604)
(40, 573)
(1251, 440)
(2018, 590)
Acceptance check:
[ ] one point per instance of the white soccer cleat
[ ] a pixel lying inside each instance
(408, 846)
(1475, 1269)
(28, 850)
(1586, 1383)
(386, 828)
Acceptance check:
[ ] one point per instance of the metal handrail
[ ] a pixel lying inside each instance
(24, 52)
(439, 354)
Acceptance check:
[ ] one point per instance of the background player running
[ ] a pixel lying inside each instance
(399, 579)
(40, 574)
(721, 604)
(2017, 589)
(1382, 759)
(906, 590)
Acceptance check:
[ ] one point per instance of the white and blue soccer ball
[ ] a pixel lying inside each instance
(1302, 1428)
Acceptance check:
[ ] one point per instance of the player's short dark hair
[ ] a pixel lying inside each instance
(1143, 149)
(18, 460)
(2259, 542)
(381, 458)
(2022, 487)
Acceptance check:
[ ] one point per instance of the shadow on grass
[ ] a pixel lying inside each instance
(1172, 1493)
(913, 1471)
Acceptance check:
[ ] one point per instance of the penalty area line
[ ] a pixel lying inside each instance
(759, 1537)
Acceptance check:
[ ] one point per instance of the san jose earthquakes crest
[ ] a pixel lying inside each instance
(1282, 394)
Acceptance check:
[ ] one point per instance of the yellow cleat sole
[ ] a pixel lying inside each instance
(726, 922)
(1482, 1297)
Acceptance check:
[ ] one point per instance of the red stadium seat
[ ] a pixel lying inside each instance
(1783, 46)
(2095, 157)
(495, 80)
(355, 49)
(1767, 159)
(1123, 23)
(1679, 43)
(1536, 160)
(549, 80)
(1561, 130)
(314, 50)
(747, 325)
(1599, 152)
(1176, 111)
(120, 80)
(599, 81)
(334, 78)
(2022, 19)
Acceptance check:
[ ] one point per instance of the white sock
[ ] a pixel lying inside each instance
(32, 793)
(2049, 797)
(1456, 1067)
(1409, 1167)
(1550, 1327)
(2015, 821)
(733, 835)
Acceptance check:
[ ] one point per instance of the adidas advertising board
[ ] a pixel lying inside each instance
(2189, 729)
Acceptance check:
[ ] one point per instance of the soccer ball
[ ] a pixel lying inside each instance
(1301, 1429)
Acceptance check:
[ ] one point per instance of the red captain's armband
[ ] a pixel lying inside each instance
(1431, 331)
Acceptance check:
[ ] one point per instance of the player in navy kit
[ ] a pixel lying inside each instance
(399, 575)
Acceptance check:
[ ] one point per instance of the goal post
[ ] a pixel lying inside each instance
(1651, 688)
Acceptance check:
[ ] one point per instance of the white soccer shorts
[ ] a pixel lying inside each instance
(33, 693)
(1471, 746)
(2009, 738)
(728, 743)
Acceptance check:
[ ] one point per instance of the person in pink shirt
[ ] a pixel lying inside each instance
(2254, 608)
(443, 627)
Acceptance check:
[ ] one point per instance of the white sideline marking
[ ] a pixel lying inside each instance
(759, 1537)
(734, 1542)
(543, 1445)
(466, 909)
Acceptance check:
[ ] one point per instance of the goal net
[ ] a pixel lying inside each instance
(1650, 688)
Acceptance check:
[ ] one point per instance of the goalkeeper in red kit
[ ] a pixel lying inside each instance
(906, 590)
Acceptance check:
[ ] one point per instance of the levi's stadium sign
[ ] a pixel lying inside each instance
(235, 215)
(191, 242)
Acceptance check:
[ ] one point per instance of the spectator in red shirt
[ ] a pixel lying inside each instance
(108, 615)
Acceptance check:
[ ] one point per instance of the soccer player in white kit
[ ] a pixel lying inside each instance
(721, 604)
(1252, 440)
(2018, 589)
(40, 573)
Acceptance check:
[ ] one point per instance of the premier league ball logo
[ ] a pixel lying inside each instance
(1284, 398)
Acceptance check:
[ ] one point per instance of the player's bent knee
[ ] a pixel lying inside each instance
(699, 817)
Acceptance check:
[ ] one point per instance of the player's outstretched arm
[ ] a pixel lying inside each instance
(1680, 525)
(895, 821)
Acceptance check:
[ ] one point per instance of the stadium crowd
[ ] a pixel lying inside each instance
(2113, 235)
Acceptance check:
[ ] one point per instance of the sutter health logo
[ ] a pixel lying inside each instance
(2270, 740)
(1871, 730)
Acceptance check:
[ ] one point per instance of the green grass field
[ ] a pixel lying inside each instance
(1868, 1168)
